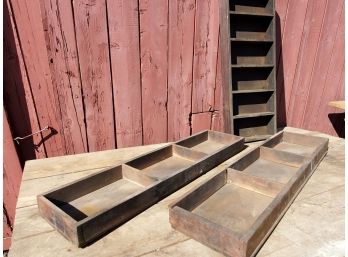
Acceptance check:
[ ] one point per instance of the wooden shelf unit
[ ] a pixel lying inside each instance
(248, 33)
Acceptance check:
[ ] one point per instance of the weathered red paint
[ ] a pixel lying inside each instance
(58, 25)
(12, 175)
(306, 61)
(123, 20)
(93, 53)
(217, 122)
(180, 58)
(205, 55)
(28, 19)
(324, 73)
(291, 39)
(201, 121)
(17, 92)
(154, 69)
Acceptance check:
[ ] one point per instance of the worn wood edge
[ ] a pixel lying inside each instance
(32, 165)
(225, 59)
(261, 221)
(58, 219)
(282, 157)
(201, 229)
(199, 190)
(253, 183)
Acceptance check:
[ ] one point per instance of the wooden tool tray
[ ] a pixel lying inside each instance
(86, 209)
(236, 210)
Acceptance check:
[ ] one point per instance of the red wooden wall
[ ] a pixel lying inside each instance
(106, 74)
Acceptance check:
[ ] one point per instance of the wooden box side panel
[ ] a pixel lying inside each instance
(267, 221)
(58, 219)
(213, 235)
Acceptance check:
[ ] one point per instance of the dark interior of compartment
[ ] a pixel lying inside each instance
(252, 6)
(253, 103)
(251, 3)
(253, 27)
(255, 126)
(252, 78)
(251, 52)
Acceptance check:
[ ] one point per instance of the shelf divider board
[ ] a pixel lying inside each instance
(235, 211)
(248, 46)
(86, 209)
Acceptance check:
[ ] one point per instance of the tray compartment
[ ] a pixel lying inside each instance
(207, 142)
(98, 192)
(269, 164)
(165, 162)
(252, 78)
(309, 146)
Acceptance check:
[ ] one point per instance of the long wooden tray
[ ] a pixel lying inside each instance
(236, 210)
(86, 209)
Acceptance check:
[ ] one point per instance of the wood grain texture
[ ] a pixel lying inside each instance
(93, 51)
(281, 14)
(12, 174)
(334, 79)
(180, 59)
(123, 21)
(308, 53)
(205, 55)
(27, 16)
(18, 98)
(291, 40)
(154, 63)
(224, 67)
(58, 25)
(218, 122)
(200, 121)
(326, 73)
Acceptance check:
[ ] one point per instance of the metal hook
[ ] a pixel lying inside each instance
(32, 134)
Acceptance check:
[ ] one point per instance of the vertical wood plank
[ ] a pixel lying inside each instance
(12, 174)
(306, 60)
(59, 30)
(329, 84)
(180, 59)
(153, 41)
(224, 67)
(93, 51)
(217, 122)
(27, 16)
(205, 55)
(329, 54)
(286, 68)
(201, 121)
(123, 19)
(281, 12)
(17, 93)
